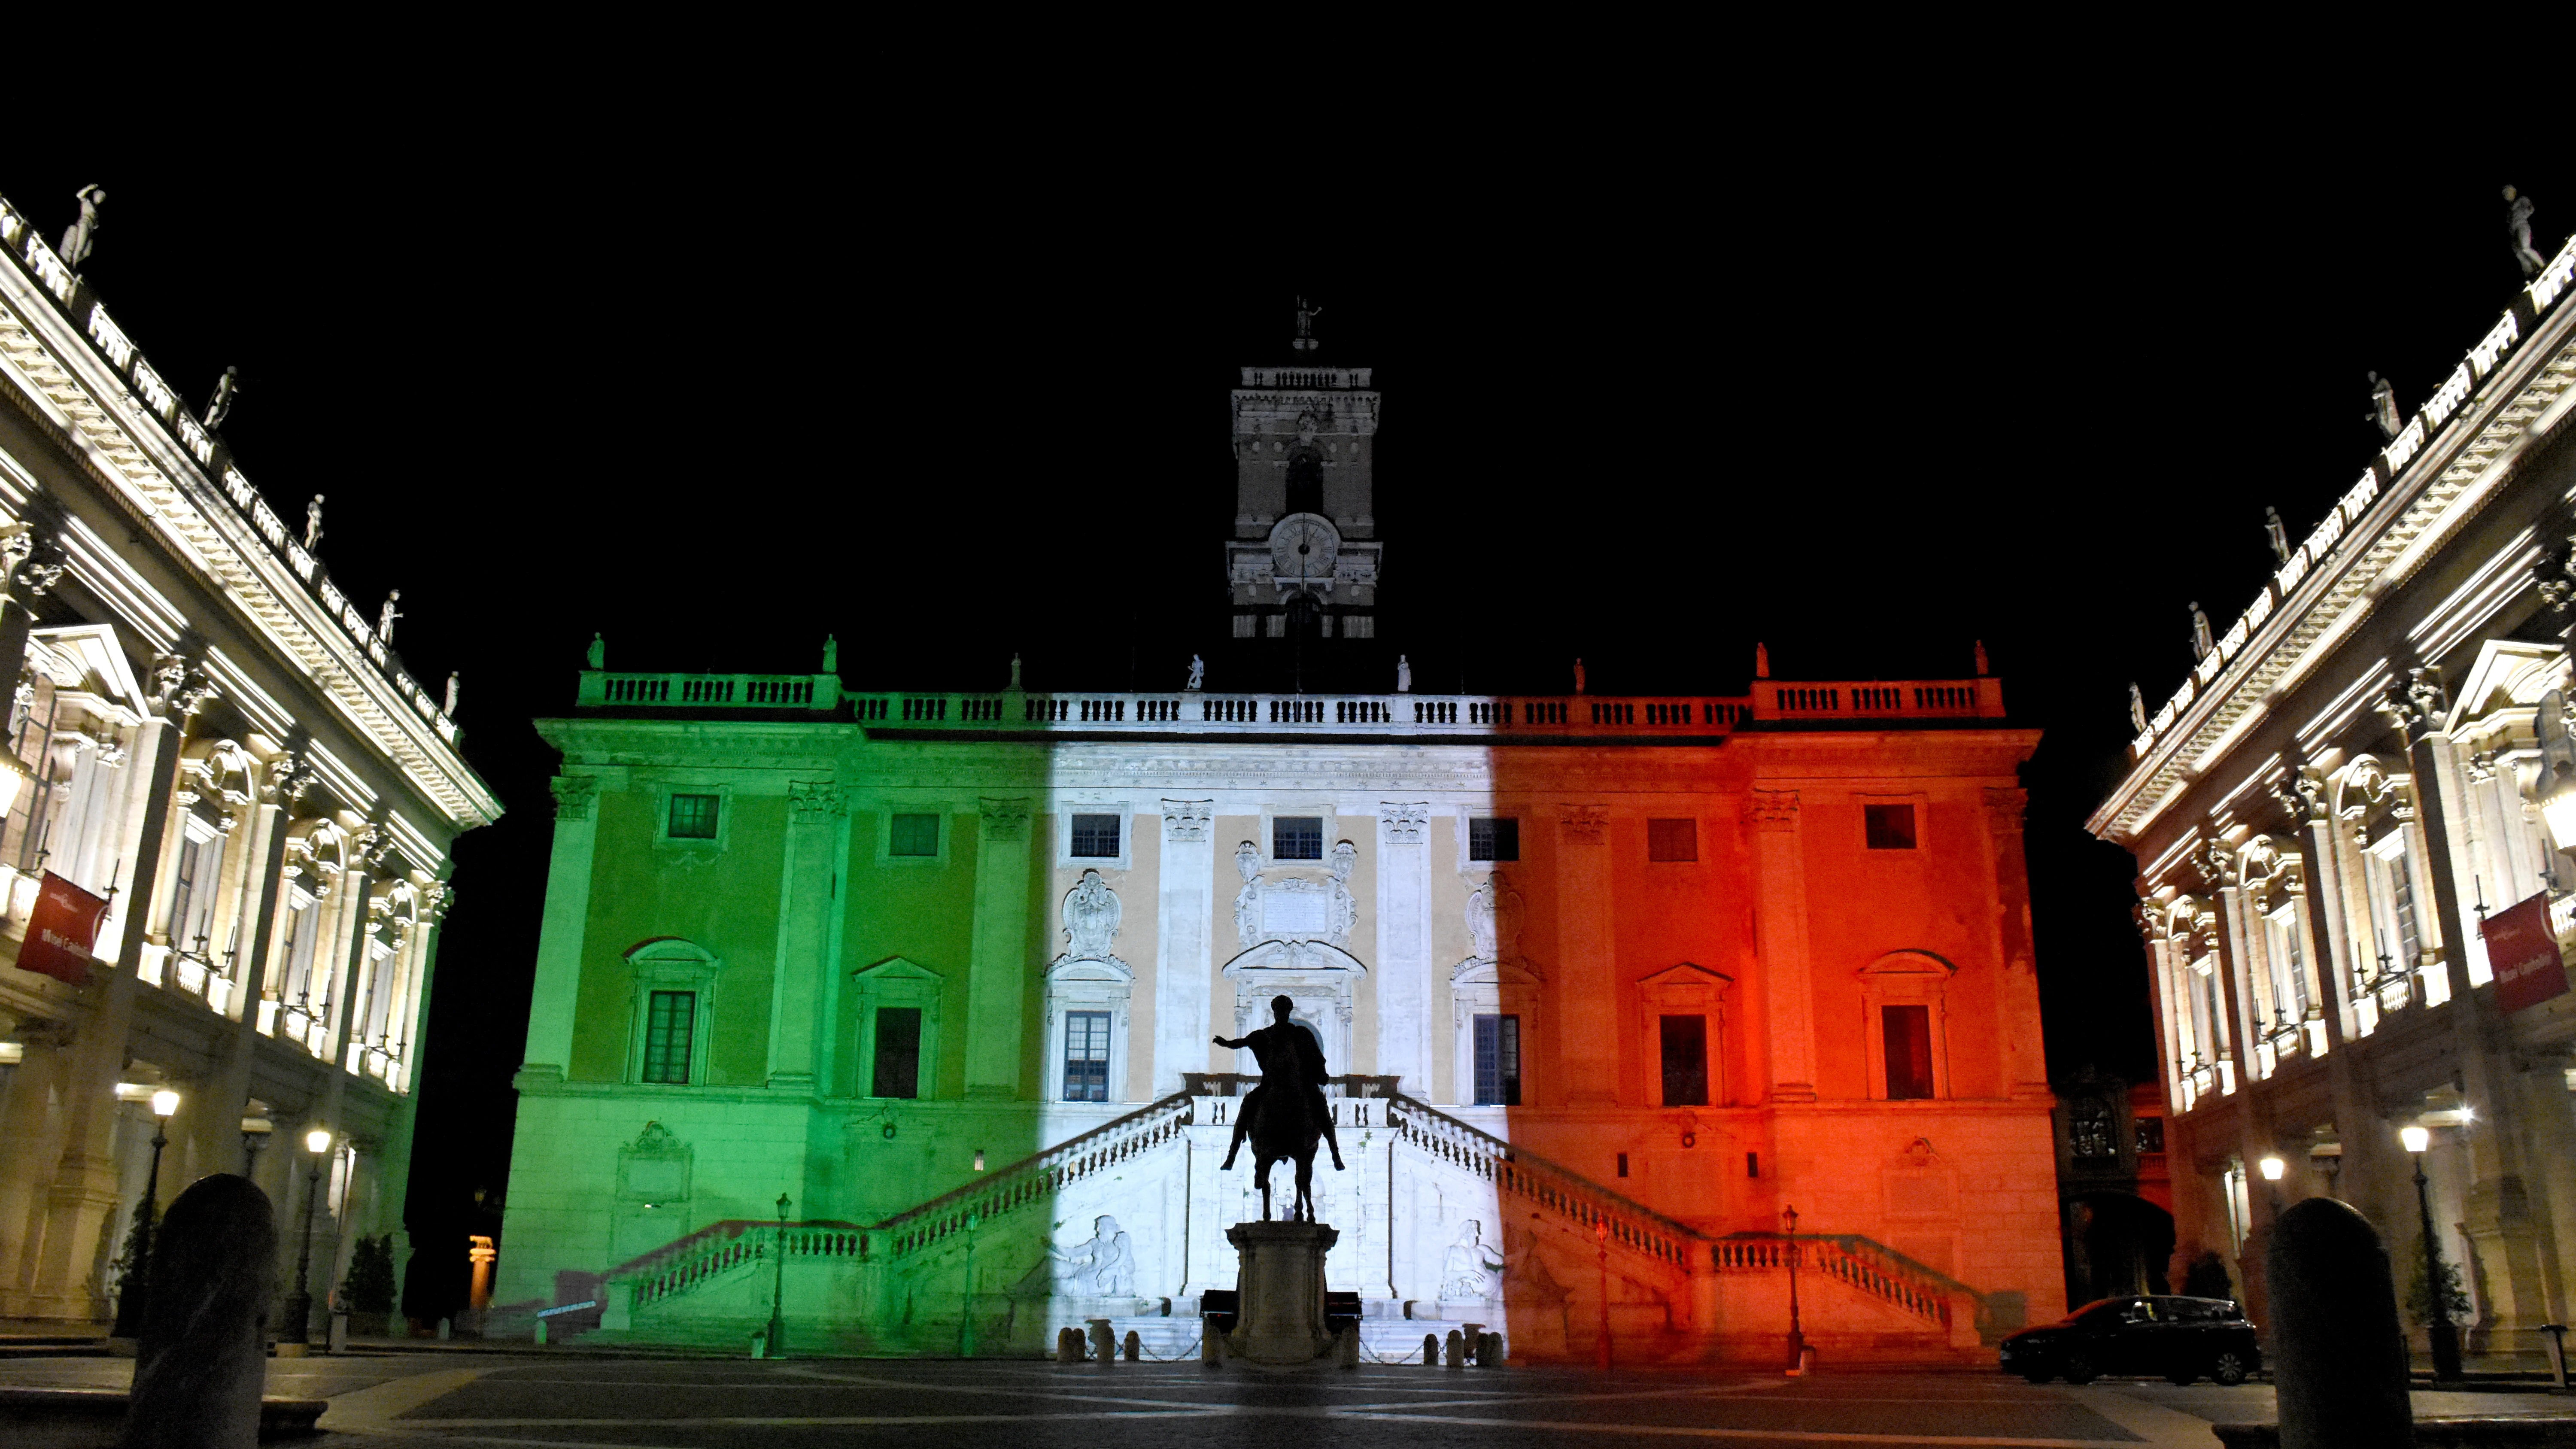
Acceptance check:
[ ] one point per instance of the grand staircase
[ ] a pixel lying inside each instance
(897, 1286)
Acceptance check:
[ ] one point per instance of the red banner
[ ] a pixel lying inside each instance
(64, 928)
(2524, 952)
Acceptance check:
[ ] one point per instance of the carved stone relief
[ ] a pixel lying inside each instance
(1091, 915)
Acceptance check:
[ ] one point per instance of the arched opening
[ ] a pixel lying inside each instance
(2116, 1242)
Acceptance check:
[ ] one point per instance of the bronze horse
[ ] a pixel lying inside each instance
(1286, 1116)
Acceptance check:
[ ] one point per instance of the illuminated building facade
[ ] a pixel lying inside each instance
(2355, 902)
(1609, 984)
(209, 738)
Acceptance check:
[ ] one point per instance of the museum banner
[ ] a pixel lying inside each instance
(62, 930)
(2524, 952)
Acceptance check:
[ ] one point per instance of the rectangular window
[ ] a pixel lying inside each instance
(1888, 827)
(1493, 838)
(1909, 1051)
(1498, 1061)
(1095, 836)
(1685, 1061)
(1672, 840)
(1086, 1056)
(693, 817)
(303, 927)
(1297, 837)
(898, 1056)
(1623, 1164)
(2151, 1134)
(670, 1024)
(183, 892)
(913, 835)
(2289, 964)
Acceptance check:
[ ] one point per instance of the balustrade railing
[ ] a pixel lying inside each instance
(720, 1248)
(711, 691)
(1577, 1200)
(1030, 1179)
(1865, 1264)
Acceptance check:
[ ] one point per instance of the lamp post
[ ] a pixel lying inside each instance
(2444, 1334)
(135, 1292)
(255, 1133)
(2272, 1168)
(1601, 1233)
(1797, 1334)
(299, 1304)
(777, 1337)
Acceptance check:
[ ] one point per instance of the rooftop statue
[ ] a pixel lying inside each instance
(2137, 709)
(386, 616)
(2517, 225)
(2201, 644)
(1306, 326)
(220, 406)
(1286, 1115)
(1015, 674)
(1578, 673)
(449, 709)
(2383, 408)
(82, 235)
(831, 654)
(598, 651)
(1761, 662)
(1198, 674)
(313, 524)
(1403, 675)
(1982, 670)
(2280, 536)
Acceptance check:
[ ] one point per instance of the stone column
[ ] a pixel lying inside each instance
(1403, 963)
(555, 995)
(82, 1196)
(2357, 1125)
(1588, 1025)
(2017, 990)
(1181, 964)
(998, 964)
(217, 1129)
(1780, 912)
(814, 811)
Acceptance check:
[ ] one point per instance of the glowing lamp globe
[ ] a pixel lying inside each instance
(317, 1141)
(2273, 1167)
(2415, 1138)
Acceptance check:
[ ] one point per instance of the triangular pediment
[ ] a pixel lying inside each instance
(897, 968)
(1475, 971)
(1689, 974)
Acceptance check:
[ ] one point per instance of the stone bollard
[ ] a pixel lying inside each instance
(1490, 1355)
(1346, 1346)
(446, 1329)
(1457, 1349)
(203, 1359)
(1211, 1341)
(1104, 1342)
(1068, 1345)
(1133, 1347)
(1474, 1336)
(2339, 1364)
(1430, 1350)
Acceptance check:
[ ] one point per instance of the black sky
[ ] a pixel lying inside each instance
(1642, 405)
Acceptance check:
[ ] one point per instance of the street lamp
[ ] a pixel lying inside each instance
(1797, 1334)
(2444, 1334)
(777, 1338)
(135, 1292)
(299, 1304)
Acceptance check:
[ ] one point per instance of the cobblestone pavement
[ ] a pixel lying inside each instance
(574, 1399)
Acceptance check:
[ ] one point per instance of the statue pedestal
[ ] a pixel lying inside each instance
(1281, 1317)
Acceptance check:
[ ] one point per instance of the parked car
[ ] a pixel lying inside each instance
(2180, 1338)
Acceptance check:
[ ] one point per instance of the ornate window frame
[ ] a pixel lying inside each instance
(902, 982)
(666, 786)
(886, 810)
(1088, 984)
(1493, 988)
(671, 963)
(1128, 830)
(1906, 978)
(1685, 989)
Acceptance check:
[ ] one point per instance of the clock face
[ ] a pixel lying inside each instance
(1303, 546)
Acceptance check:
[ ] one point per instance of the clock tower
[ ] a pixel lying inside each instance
(1303, 561)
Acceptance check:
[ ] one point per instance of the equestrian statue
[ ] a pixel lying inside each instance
(1286, 1115)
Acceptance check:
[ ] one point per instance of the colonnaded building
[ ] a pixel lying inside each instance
(1609, 985)
(225, 840)
(2352, 822)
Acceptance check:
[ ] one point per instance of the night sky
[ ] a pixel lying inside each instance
(1644, 410)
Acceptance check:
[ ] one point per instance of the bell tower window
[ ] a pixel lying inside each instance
(1306, 481)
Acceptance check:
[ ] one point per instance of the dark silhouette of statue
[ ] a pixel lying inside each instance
(1286, 1115)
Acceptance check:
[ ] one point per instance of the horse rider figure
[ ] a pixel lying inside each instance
(1288, 1054)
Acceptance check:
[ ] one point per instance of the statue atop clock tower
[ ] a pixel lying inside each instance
(1303, 561)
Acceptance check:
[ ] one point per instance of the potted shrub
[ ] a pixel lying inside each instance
(370, 1289)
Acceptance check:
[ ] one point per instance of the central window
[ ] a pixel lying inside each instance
(1888, 827)
(1909, 1051)
(693, 817)
(898, 1055)
(1685, 1061)
(1498, 1061)
(1086, 1056)
(913, 835)
(1492, 838)
(1672, 840)
(1297, 837)
(668, 1028)
(1095, 837)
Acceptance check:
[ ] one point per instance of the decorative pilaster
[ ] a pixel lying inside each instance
(554, 995)
(815, 809)
(997, 966)
(1182, 971)
(1403, 973)
(1589, 1055)
(1780, 912)
(2017, 992)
